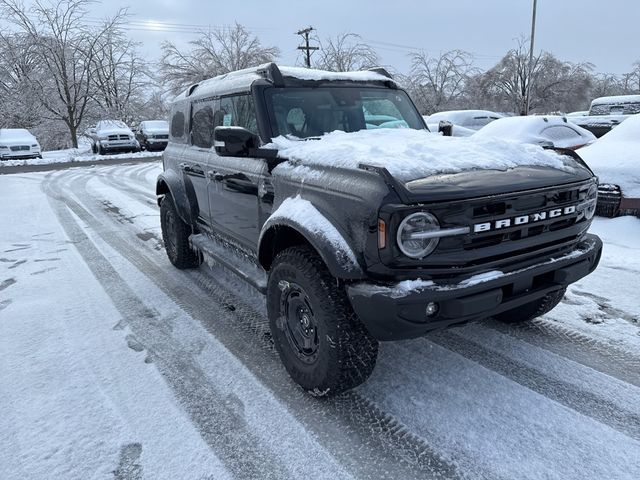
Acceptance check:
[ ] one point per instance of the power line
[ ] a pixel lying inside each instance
(306, 47)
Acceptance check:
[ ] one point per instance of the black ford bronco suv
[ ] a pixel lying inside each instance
(326, 192)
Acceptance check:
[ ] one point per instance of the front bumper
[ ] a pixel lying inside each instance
(159, 144)
(118, 146)
(392, 313)
(19, 155)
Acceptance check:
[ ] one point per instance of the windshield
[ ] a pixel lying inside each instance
(111, 124)
(156, 125)
(312, 112)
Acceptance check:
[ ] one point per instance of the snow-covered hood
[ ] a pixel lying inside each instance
(411, 155)
(10, 142)
(114, 131)
(156, 131)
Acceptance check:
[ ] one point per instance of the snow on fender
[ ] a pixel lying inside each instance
(301, 215)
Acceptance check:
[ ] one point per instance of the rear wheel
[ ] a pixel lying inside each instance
(532, 310)
(175, 234)
(321, 342)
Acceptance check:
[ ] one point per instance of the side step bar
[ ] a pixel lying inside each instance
(225, 256)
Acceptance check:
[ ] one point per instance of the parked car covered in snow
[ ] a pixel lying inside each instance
(468, 119)
(110, 136)
(606, 113)
(546, 131)
(358, 234)
(152, 134)
(615, 159)
(18, 143)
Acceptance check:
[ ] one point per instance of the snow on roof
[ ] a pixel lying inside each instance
(313, 74)
(531, 129)
(615, 157)
(411, 154)
(242, 79)
(616, 99)
(16, 134)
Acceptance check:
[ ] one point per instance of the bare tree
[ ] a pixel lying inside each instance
(509, 79)
(65, 49)
(631, 80)
(438, 82)
(344, 53)
(119, 75)
(213, 53)
(18, 62)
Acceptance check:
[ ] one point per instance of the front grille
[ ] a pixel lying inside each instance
(162, 137)
(114, 138)
(20, 148)
(495, 244)
(609, 197)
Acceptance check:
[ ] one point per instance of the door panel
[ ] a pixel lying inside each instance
(234, 190)
(194, 164)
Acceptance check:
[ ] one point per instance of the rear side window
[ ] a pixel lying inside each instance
(559, 132)
(177, 127)
(237, 111)
(202, 124)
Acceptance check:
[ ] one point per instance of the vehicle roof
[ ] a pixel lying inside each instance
(459, 114)
(241, 80)
(616, 99)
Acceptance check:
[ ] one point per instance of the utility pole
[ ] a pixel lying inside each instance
(533, 34)
(306, 47)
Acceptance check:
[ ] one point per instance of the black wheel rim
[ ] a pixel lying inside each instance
(298, 322)
(170, 229)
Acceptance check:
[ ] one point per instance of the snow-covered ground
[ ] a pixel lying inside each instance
(113, 364)
(72, 155)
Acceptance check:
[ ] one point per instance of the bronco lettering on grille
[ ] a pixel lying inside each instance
(523, 219)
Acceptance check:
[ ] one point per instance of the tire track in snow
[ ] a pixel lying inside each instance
(233, 442)
(580, 400)
(575, 346)
(366, 441)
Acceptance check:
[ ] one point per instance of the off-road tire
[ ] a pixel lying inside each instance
(346, 354)
(532, 310)
(94, 148)
(101, 151)
(175, 235)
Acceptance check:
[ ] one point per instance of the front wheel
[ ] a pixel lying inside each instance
(175, 234)
(321, 342)
(532, 310)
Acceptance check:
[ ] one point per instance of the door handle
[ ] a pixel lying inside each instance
(217, 176)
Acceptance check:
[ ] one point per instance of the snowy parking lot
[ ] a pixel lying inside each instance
(114, 364)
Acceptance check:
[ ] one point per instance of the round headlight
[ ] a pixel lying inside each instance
(590, 202)
(409, 236)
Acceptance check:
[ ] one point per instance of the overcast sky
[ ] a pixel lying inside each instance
(603, 32)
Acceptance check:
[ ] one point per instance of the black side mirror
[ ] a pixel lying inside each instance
(446, 128)
(234, 141)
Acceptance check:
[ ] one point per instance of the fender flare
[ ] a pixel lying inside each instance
(332, 246)
(170, 182)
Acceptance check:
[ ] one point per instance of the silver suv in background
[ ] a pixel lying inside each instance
(18, 143)
(112, 136)
(153, 134)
